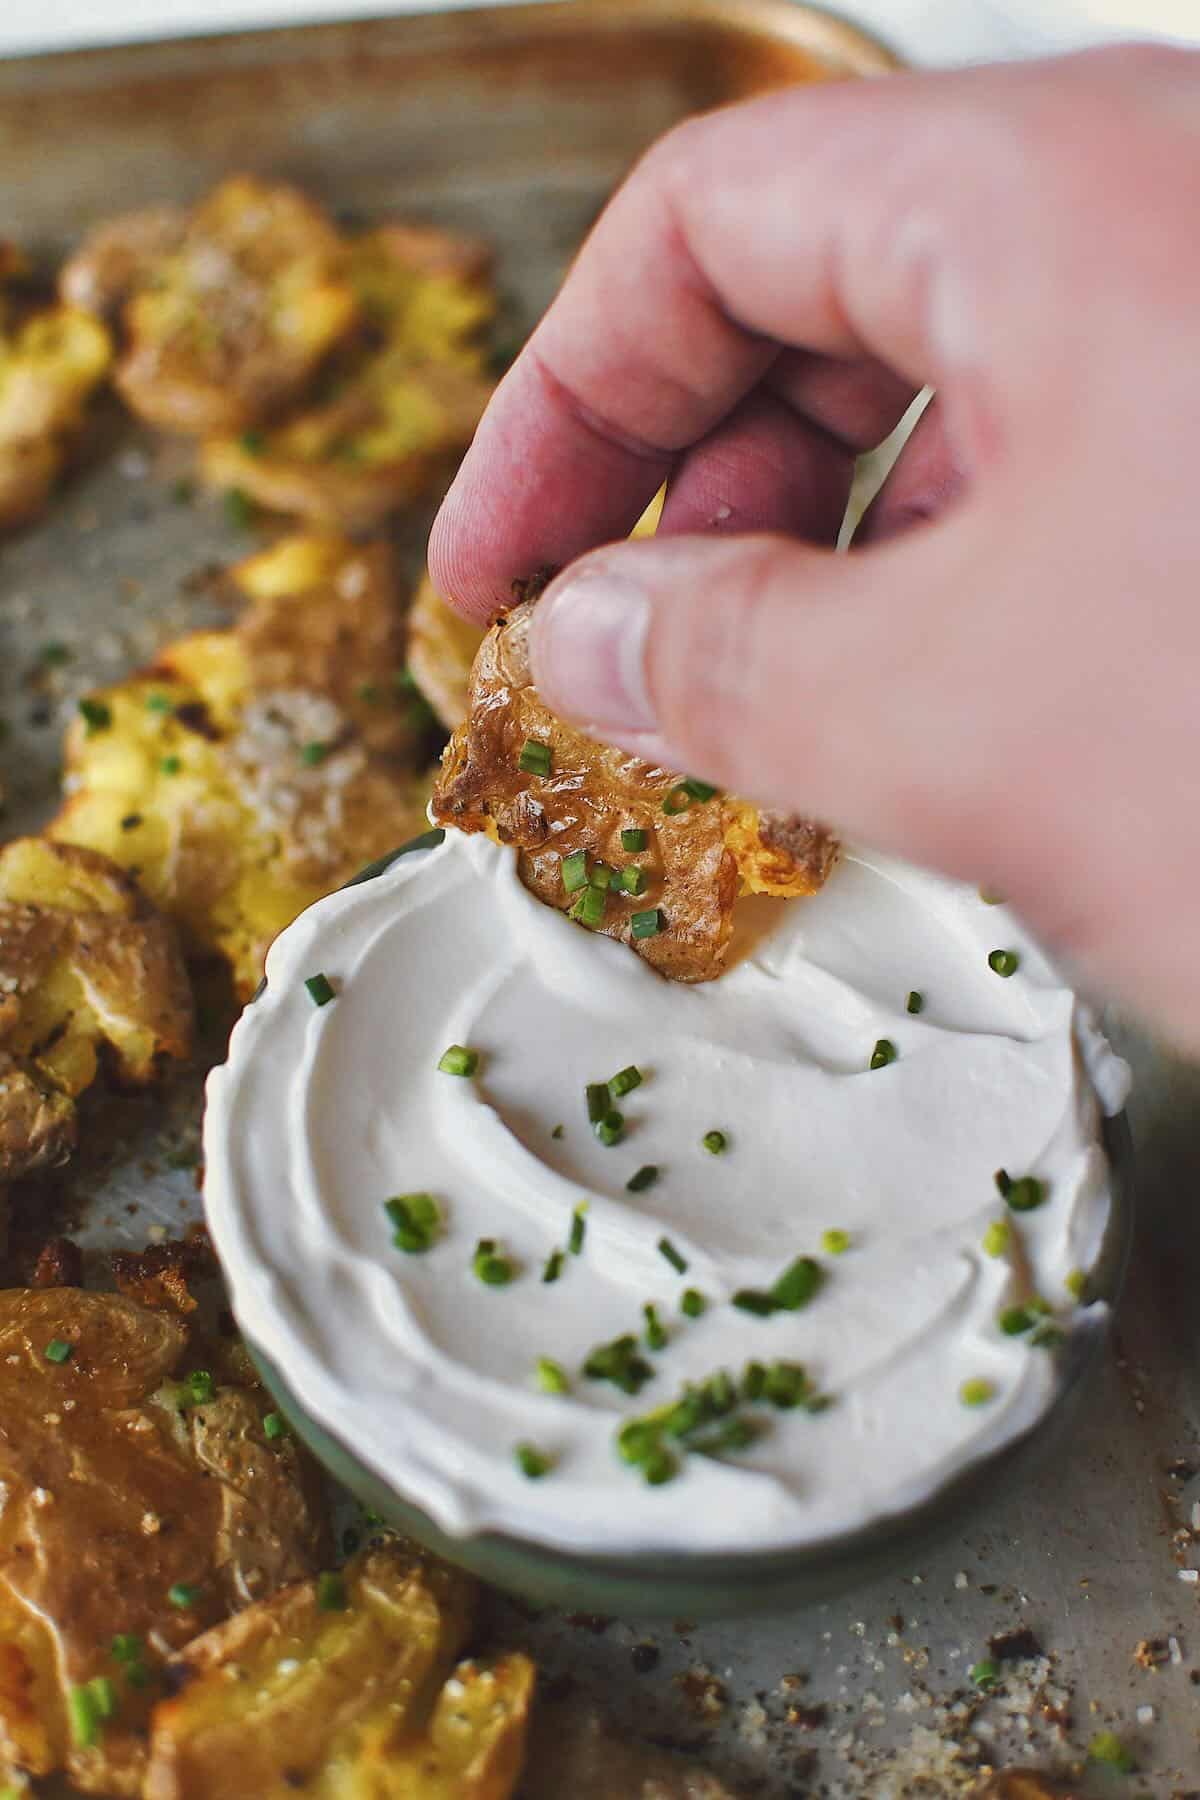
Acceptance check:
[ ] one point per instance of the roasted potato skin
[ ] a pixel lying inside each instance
(442, 646)
(117, 258)
(203, 783)
(88, 968)
(692, 872)
(347, 1703)
(113, 1495)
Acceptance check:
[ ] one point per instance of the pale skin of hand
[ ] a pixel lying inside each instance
(1009, 691)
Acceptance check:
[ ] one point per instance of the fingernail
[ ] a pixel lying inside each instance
(589, 650)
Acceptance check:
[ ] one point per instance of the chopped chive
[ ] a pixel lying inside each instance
(624, 1081)
(678, 1263)
(1106, 1747)
(104, 1694)
(589, 907)
(84, 1716)
(574, 871)
(659, 1467)
(552, 1377)
(984, 1674)
(558, 1132)
(798, 1284)
(645, 1178)
(656, 1336)
(754, 1381)
(720, 1393)
(331, 1591)
(715, 1142)
(737, 1433)
(274, 1426)
(598, 1099)
(753, 1300)
(492, 1270)
(835, 1242)
(1014, 1320)
(458, 1060)
(416, 1218)
(1027, 1194)
(1076, 1284)
(990, 897)
(692, 1303)
(314, 754)
(159, 703)
(647, 924)
(620, 1363)
(535, 758)
(127, 1647)
(252, 442)
(611, 1128)
(976, 1392)
(239, 509)
(883, 1054)
(532, 1462)
(1004, 962)
(633, 839)
(171, 765)
(682, 796)
(96, 715)
(58, 1350)
(54, 655)
(320, 989)
(632, 880)
(997, 1237)
(602, 876)
(201, 1387)
(182, 1595)
(578, 1229)
(699, 790)
(554, 1266)
(1003, 1182)
(1047, 1336)
(915, 1002)
(636, 1440)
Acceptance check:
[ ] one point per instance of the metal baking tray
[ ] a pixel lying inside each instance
(516, 124)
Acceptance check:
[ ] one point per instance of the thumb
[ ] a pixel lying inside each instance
(798, 678)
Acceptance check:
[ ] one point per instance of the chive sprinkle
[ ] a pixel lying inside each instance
(996, 1237)
(598, 1098)
(416, 1218)
(274, 1426)
(532, 1462)
(682, 796)
(239, 509)
(632, 880)
(984, 1674)
(552, 1377)
(755, 1301)
(1076, 1284)
(320, 989)
(656, 1336)
(620, 1363)
(624, 1081)
(715, 1142)
(990, 897)
(1004, 962)
(692, 1303)
(633, 840)
(314, 754)
(554, 1266)
(574, 871)
(127, 1647)
(1015, 1320)
(535, 758)
(458, 1060)
(182, 1595)
(1003, 1182)
(647, 924)
(645, 1178)
(678, 1263)
(798, 1284)
(883, 1054)
(611, 1128)
(578, 1229)
(602, 876)
(1047, 1335)
(84, 1716)
(915, 1002)
(1027, 1194)
(171, 765)
(58, 1350)
(201, 1387)
(659, 1467)
(835, 1242)
(1106, 1747)
(159, 703)
(55, 655)
(491, 1269)
(96, 716)
(331, 1591)
(589, 907)
(558, 1132)
(976, 1392)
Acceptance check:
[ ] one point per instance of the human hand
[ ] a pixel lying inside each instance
(1010, 692)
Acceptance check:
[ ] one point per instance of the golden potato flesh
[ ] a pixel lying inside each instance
(135, 1515)
(225, 328)
(254, 770)
(346, 1689)
(87, 968)
(442, 645)
(699, 848)
(395, 406)
(51, 362)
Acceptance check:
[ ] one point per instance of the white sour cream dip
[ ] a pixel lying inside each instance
(323, 1112)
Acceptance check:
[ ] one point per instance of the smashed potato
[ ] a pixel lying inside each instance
(442, 645)
(51, 362)
(401, 400)
(698, 848)
(253, 770)
(230, 316)
(138, 1510)
(87, 969)
(347, 1689)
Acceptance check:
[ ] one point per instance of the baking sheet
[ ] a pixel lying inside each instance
(517, 124)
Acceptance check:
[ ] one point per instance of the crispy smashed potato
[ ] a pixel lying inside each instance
(346, 1689)
(700, 847)
(397, 404)
(87, 969)
(51, 362)
(138, 1510)
(442, 645)
(253, 770)
(228, 315)
(118, 257)
(164, 1275)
